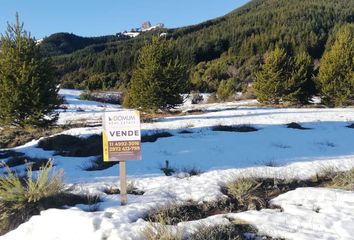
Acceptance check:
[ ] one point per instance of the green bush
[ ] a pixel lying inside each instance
(85, 95)
(225, 90)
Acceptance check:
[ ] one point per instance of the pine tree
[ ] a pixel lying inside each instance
(227, 88)
(223, 90)
(270, 81)
(159, 78)
(336, 75)
(300, 86)
(28, 90)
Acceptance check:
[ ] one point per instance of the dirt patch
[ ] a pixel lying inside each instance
(153, 117)
(195, 111)
(14, 159)
(9, 153)
(72, 146)
(97, 165)
(13, 137)
(295, 125)
(185, 132)
(130, 190)
(154, 136)
(241, 128)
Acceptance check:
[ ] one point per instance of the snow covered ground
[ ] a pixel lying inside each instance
(222, 156)
(308, 213)
(78, 111)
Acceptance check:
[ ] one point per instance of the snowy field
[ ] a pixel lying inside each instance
(222, 157)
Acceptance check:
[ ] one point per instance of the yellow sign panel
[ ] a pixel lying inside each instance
(121, 136)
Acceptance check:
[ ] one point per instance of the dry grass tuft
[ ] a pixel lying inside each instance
(20, 198)
(247, 192)
(328, 173)
(23, 197)
(223, 232)
(342, 180)
(175, 213)
(156, 231)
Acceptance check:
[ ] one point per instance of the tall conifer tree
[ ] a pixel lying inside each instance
(28, 89)
(336, 75)
(300, 86)
(159, 78)
(270, 81)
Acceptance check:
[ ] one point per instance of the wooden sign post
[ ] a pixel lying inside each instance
(121, 142)
(123, 183)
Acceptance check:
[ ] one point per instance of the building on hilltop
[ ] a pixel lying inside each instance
(146, 25)
(160, 25)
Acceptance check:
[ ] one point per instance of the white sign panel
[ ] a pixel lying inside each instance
(121, 136)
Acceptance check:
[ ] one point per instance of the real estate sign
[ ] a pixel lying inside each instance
(121, 136)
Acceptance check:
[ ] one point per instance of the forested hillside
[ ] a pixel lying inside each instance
(63, 43)
(228, 48)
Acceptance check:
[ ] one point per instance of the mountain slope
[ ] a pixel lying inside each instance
(246, 34)
(64, 43)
